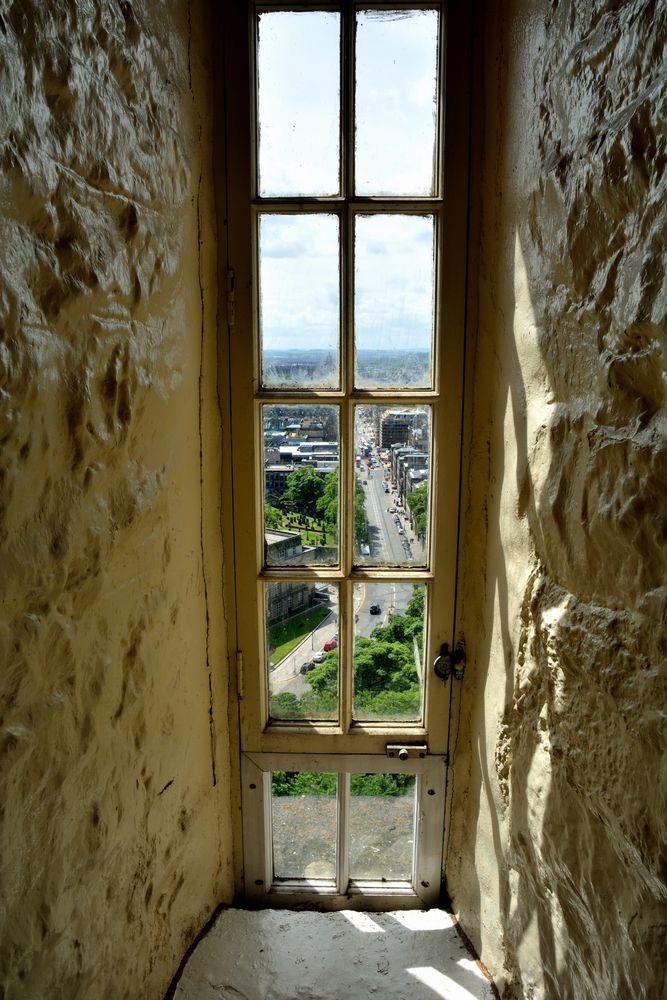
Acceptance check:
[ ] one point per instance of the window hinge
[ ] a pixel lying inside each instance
(450, 663)
(231, 302)
(239, 674)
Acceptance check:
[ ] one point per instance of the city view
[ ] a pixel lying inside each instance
(301, 511)
(313, 368)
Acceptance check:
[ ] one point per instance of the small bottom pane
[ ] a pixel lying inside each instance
(382, 825)
(303, 807)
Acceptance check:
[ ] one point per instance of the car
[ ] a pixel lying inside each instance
(319, 656)
(375, 609)
(400, 531)
(308, 665)
(329, 645)
(392, 510)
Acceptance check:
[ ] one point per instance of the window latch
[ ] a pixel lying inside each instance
(403, 751)
(450, 663)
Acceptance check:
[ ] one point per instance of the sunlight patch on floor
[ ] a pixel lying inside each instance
(285, 955)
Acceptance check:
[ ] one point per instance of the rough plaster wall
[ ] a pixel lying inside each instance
(115, 834)
(556, 851)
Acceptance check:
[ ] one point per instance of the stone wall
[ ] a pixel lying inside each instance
(115, 840)
(555, 853)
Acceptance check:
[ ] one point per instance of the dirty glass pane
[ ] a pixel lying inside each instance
(388, 651)
(394, 301)
(303, 808)
(302, 649)
(298, 82)
(392, 454)
(300, 460)
(382, 826)
(396, 101)
(299, 293)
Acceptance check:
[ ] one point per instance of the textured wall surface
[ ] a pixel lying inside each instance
(114, 836)
(556, 851)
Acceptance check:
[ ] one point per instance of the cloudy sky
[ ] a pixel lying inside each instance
(299, 154)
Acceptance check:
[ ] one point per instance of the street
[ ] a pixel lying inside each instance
(388, 547)
(391, 597)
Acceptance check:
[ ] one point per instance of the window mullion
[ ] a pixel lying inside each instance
(343, 834)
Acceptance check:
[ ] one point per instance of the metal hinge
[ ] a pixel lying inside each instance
(231, 300)
(450, 663)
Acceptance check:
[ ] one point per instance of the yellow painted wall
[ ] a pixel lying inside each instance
(554, 847)
(115, 831)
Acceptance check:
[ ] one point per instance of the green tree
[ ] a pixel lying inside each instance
(386, 684)
(381, 665)
(361, 531)
(304, 489)
(417, 501)
(273, 517)
(323, 678)
(327, 505)
(327, 508)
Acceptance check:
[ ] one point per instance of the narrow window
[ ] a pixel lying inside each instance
(346, 376)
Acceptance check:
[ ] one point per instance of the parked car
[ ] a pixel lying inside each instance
(375, 609)
(308, 665)
(329, 645)
(400, 531)
(319, 656)
(392, 510)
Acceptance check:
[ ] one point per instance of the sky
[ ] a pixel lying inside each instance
(298, 64)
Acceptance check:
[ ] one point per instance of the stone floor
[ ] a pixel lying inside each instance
(284, 955)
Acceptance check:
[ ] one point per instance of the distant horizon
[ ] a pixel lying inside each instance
(330, 350)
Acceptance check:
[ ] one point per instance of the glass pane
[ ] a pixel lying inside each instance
(393, 301)
(396, 101)
(382, 826)
(388, 651)
(302, 650)
(392, 458)
(301, 447)
(298, 81)
(299, 295)
(303, 808)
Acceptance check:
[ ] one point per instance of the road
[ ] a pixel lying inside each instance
(388, 548)
(392, 598)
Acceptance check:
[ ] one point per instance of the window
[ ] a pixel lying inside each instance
(346, 240)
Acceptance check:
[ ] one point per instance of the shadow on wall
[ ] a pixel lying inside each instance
(576, 480)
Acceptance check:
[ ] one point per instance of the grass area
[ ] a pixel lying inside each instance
(311, 529)
(288, 634)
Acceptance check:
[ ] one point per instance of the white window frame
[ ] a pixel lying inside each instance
(423, 888)
(259, 741)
